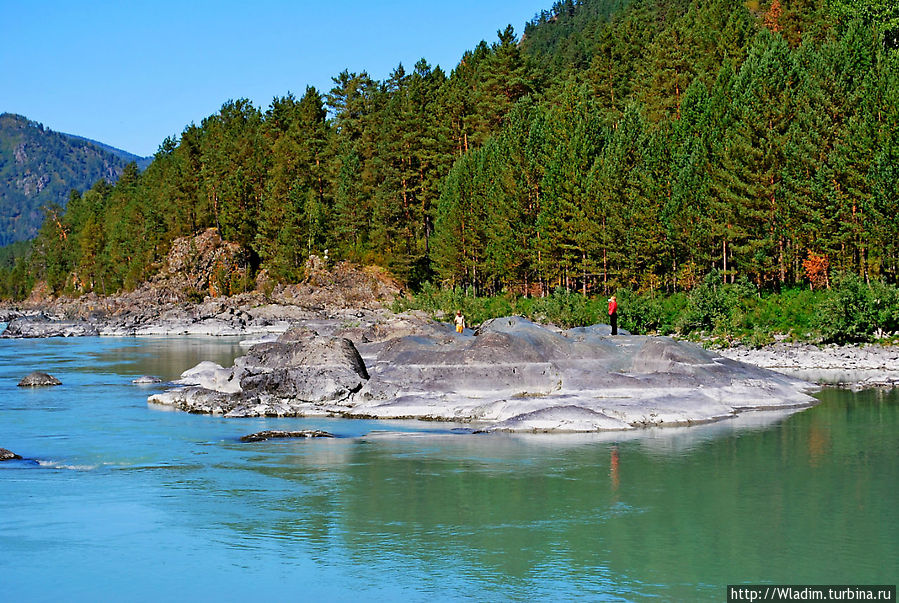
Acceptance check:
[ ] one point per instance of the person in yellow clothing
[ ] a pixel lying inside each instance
(460, 322)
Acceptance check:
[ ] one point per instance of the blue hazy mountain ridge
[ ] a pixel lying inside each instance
(142, 162)
(40, 167)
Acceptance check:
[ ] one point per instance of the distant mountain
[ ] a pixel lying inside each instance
(142, 162)
(39, 166)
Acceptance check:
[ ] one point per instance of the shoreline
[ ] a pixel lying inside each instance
(857, 366)
(255, 317)
(249, 314)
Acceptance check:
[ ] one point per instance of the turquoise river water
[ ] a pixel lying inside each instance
(120, 500)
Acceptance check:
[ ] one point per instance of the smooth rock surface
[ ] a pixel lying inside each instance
(514, 376)
(39, 379)
(212, 376)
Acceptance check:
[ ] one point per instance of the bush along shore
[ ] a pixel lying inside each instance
(852, 311)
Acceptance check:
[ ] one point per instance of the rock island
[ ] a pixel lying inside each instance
(509, 375)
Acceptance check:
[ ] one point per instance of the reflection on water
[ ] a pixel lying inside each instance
(129, 501)
(167, 357)
(747, 506)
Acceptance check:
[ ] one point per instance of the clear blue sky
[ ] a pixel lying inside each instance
(131, 73)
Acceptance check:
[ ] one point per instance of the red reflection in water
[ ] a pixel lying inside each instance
(613, 469)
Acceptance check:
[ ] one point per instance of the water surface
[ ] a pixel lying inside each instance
(121, 500)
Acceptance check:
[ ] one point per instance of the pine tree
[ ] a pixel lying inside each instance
(665, 74)
(352, 215)
(505, 76)
(352, 103)
(754, 160)
(293, 221)
(459, 233)
(233, 169)
(567, 224)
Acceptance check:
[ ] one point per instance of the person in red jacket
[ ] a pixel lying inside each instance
(613, 314)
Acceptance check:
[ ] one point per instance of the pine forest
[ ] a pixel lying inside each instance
(613, 144)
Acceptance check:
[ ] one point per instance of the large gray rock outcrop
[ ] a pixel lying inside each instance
(517, 375)
(302, 373)
(514, 375)
(317, 369)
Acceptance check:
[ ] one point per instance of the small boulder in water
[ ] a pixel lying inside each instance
(146, 380)
(8, 455)
(261, 436)
(39, 379)
(212, 376)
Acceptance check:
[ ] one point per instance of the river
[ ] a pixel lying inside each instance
(117, 499)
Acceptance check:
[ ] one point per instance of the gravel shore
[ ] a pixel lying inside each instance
(854, 366)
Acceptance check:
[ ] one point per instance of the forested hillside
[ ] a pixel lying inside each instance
(38, 169)
(635, 144)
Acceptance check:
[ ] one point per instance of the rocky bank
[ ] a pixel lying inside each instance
(190, 295)
(847, 366)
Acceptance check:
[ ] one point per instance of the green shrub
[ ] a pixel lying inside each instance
(567, 309)
(884, 305)
(649, 313)
(716, 307)
(793, 311)
(856, 311)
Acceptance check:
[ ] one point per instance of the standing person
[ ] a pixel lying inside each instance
(460, 321)
(613, 315)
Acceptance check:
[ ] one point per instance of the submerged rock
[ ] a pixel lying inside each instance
(7, 455)
(261, 436)
(514, 375)
(146, 380)
(39, 379)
